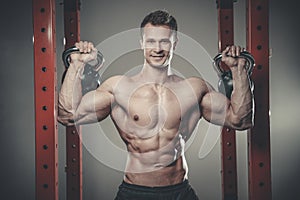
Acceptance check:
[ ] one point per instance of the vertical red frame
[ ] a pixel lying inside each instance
(46, 156)
(228, 138)
(73, 133)
(259, 136)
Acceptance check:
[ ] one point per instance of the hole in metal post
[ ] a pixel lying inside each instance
(259, 67)
(259, 47)
(258, 7)
(261, 164)
(259, 27)
(261, 184)
(44, 88)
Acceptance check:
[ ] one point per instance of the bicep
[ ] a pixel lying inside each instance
(94, 106)
(214, 107)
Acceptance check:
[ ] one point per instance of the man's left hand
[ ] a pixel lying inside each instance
(230, 56)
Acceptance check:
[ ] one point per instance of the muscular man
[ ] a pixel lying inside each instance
(154, 111)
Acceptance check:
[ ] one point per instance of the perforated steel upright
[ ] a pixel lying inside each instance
(259, 135)
(46, 156)
(74, 145)
(228, 140)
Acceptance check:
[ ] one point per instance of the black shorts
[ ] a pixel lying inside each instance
(181, 191)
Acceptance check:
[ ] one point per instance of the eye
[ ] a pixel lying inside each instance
(165, 41)
(150, 41)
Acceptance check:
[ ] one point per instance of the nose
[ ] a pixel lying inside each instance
(157, 47)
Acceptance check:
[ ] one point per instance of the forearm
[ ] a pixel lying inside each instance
(71, 92)
(241, 105)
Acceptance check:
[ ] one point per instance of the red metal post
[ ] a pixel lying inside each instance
(228, 140)
(45, 100)
(259, 135)
(73, 142)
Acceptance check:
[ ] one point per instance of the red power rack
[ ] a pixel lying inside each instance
(259, 136)
(45, 100)
(73, 133)
(228, 140)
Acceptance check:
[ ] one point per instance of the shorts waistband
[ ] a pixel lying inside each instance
(168, 188)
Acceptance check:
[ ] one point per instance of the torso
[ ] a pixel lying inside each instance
(155, 121)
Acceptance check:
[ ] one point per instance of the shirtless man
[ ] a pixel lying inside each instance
(155, 112)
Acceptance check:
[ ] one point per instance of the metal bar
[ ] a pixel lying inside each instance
(73, 133)
(259, 136)
(46, 156)
(228, 140)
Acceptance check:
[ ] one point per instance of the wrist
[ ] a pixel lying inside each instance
(239, 72)
(97, 63)
(76, 67)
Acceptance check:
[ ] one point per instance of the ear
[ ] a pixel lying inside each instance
(141, 43)
(175, 43)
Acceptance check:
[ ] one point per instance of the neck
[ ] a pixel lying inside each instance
(153, 74)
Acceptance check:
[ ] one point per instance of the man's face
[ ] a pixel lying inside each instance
(158, 44)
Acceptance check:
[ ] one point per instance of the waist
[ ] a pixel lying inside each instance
(172, 174)
(169, 188)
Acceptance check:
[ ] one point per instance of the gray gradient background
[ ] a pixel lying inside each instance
(101, 19)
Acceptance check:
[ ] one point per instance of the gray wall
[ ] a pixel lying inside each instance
(99, 21)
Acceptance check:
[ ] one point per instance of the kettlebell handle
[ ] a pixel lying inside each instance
(250, 63)
(67, 53)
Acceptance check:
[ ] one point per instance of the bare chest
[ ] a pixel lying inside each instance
(154, 106)
(151, 108)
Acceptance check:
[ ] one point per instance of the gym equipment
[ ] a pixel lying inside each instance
(90, 80)
(66, 57)
(225, 85)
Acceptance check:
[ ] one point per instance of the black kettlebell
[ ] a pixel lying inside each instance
(225, 84)
(90, 79)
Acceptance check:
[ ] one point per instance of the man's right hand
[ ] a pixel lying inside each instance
(87, 52)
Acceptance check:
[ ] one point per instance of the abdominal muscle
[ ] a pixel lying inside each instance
(155, 161)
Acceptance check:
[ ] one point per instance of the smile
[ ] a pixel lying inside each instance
(157, 56)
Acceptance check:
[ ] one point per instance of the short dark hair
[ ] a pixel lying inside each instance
(160, 17)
